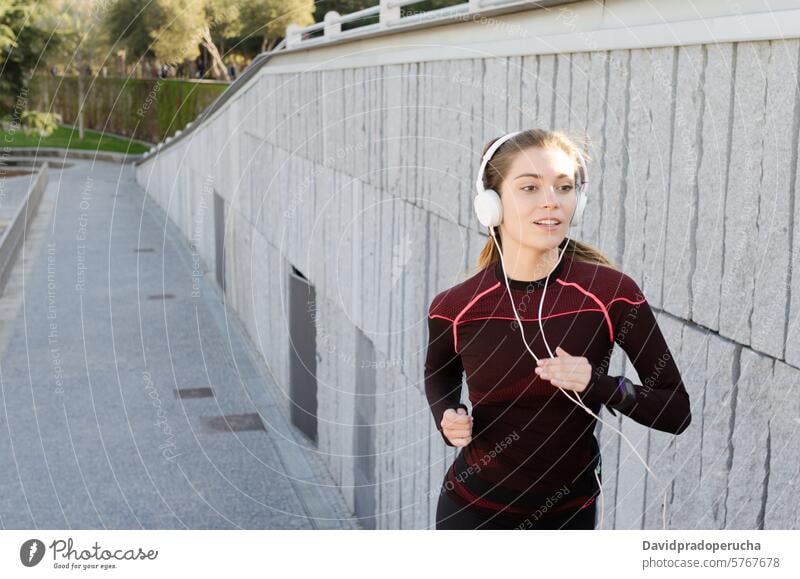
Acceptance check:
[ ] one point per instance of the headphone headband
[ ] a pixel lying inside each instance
(488, 155)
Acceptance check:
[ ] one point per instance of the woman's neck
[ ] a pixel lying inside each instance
(526, 264)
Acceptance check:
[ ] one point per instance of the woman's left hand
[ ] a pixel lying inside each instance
(568, 372)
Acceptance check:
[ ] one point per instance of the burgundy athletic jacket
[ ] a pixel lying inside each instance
(534, 450)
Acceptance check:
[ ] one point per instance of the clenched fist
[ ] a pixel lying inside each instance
(457, 426)
(566, 371)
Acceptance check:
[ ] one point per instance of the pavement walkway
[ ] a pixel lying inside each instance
(115, 381)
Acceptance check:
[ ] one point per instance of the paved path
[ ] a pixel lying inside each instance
(93, 433)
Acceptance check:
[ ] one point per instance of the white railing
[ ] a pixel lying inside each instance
(389, 16)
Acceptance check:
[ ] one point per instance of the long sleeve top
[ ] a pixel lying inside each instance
(532, 446)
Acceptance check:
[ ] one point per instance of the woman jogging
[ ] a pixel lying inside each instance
(536, 365)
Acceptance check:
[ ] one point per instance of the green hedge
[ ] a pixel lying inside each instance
(148, 109)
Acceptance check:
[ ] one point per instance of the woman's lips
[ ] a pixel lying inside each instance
(553, 227)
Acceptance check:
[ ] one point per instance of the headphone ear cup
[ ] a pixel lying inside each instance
(581, 204)
(488, 208)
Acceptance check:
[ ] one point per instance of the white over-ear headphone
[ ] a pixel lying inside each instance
(489, 210)
(488, 206)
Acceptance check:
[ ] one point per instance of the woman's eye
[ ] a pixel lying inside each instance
(564, 188)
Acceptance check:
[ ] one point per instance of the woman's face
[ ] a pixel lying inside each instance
(539, 185)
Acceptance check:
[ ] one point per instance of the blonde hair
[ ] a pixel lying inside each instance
(496, 170)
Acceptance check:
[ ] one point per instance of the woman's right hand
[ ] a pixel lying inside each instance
(457, 426)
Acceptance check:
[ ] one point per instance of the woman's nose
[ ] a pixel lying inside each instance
(550, 197)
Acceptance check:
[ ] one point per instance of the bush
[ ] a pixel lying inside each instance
(33, 123)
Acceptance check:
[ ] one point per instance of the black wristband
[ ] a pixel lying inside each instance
(628, 391)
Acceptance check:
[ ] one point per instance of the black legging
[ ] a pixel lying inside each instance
(454, 512)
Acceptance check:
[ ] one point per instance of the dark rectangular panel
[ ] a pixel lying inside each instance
(219, 239)
(232, 422)
(364, 432)
(303, 354)
(194, 392)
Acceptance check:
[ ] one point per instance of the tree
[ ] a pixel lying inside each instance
(126, 23)
(22, 42)
(268, 19)
(168, 30)
(176, 29)
(225, 17)
(83, 40)
(83, 43)
(173, 30)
